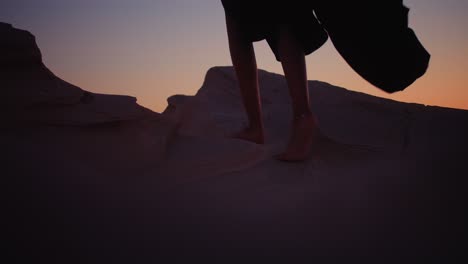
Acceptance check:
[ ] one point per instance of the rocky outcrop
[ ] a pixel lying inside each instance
(59, 122)
(32, 93)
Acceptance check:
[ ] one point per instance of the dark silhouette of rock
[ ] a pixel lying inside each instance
(36, 95)
(99, 179)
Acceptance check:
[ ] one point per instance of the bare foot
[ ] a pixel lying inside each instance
(255, 135)
(301, 139)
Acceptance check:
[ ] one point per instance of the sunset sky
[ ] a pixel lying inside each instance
(152, 49)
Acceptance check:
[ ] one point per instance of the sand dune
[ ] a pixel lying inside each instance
(94, 178)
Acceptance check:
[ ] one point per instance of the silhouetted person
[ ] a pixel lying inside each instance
(372, 36)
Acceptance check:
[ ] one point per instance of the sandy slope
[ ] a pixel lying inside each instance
(98, 178)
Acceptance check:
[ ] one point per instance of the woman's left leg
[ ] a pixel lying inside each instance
(303, 125)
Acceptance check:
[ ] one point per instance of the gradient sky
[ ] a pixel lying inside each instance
(154, 49)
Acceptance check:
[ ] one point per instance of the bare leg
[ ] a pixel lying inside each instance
(245, 65)
(303, 125)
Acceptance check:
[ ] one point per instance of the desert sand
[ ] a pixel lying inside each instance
(96, 178)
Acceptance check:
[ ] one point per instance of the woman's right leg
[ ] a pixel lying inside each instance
(245, 65)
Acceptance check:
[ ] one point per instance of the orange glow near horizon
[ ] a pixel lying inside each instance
(165, 47)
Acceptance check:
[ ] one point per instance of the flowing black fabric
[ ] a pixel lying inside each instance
(261, 19)
(373, 37)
